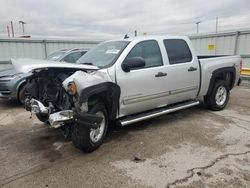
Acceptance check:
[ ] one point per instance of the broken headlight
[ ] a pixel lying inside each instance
(72, 89)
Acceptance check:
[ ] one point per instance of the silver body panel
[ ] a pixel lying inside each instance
(212, 64)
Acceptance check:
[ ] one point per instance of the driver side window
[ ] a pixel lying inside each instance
(149, 51)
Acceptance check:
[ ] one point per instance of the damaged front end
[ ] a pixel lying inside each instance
(63, 117)
(56, 119)
(49, 96)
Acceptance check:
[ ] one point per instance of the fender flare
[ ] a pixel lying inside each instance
(111, 88)
(217, 73)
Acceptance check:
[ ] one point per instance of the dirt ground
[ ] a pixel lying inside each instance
(191, 148)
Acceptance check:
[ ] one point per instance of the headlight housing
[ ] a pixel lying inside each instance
(10, 77)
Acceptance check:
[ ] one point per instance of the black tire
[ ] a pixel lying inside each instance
(81, 135)
(211, 99)
(67, 131)
(43, 118)
(21, 94)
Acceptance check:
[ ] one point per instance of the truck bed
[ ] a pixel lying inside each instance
(209, 64)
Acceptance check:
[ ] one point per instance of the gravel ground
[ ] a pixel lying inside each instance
(190, 148)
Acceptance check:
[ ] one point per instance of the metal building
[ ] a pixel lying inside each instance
(224, 43)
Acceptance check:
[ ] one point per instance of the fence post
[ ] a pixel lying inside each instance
(45, 48)
(215, 42)
(236, 42)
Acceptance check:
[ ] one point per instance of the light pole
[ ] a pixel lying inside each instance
(197, 26)
(135, 33)
(22, 22)
(216, 25)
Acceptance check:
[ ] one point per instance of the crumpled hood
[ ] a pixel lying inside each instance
(84, 80)
(8, 72)
(26, 65)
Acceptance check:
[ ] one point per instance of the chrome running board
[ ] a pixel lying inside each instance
(143, 116)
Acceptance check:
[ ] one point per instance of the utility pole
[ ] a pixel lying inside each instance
(216, 25)
(22, 23)
(12, 29)
(8, 31)
(197, 27)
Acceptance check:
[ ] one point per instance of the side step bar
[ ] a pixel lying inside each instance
(155, 113)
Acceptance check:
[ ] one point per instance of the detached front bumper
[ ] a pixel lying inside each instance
(58, 119)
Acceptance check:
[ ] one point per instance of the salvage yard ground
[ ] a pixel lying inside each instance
(191, 148)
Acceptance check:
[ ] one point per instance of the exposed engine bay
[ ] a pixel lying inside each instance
(45, 97)
(48, 97)
(46, 86)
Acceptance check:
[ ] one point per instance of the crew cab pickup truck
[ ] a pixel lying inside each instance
(124, 82)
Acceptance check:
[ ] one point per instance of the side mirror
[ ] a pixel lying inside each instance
(133, 62)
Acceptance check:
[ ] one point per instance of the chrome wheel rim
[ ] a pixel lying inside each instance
(221, 96)
(96, 134)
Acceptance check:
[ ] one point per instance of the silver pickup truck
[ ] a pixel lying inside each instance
(126, 81)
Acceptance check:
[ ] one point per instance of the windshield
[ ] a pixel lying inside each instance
(104, 54)
(55, 56)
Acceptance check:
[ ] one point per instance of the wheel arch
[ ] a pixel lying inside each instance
(19, 87)
(227, 74)
(108, 93)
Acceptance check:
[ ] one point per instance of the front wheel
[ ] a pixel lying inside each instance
(219, 96)
(87, 139)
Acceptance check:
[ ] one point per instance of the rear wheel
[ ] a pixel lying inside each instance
(219, 96)
(87, 139)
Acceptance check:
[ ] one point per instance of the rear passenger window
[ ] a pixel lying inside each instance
(149, 51)
(178, 51)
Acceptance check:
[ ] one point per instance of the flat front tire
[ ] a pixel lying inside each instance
(87, 139)
(219, 96)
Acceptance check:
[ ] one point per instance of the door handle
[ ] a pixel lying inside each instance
(192, 69)
(160, 74)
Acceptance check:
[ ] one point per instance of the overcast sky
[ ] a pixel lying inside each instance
(106, 19)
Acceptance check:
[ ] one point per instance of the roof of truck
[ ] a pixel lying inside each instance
(152, 37)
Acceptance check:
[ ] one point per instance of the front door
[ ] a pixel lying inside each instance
(143, 89)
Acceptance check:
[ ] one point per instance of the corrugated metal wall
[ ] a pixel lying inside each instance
(227, 43)
(33, 48)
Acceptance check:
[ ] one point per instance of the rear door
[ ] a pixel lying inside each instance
(183, 76)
